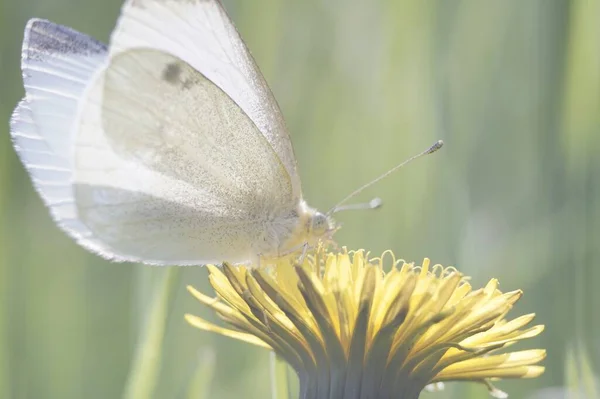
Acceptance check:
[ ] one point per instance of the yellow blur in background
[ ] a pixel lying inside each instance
(513, 89)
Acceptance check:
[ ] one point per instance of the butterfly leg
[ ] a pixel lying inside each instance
(258, 257)
(304, 252)
(304, 247)
(266, 321)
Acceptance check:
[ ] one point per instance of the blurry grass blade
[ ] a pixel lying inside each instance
(579, 374)
(571, 378)
(143, 375)
(588, 376)
(581, 100)
(199, 383)
(5, 378)
(280, 388)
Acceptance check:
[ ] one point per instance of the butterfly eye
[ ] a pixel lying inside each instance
(320, 224)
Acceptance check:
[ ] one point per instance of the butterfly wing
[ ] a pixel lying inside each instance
(131, 205)
(169, 169)
(200, 33)
(56, 62)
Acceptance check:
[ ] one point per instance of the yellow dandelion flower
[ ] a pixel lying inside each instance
(351, 328)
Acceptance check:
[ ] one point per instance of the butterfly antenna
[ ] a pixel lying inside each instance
(376, 202)
(373, 204)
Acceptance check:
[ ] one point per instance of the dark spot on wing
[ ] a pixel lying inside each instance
(172, 73)
(175, 74)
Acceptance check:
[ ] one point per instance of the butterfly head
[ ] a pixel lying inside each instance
(321, 225)
(313, 226)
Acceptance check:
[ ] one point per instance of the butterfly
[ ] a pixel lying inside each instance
(166, 146)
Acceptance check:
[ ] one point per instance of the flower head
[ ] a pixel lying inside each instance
(352, 329)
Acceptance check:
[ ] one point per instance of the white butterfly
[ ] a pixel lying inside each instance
(167, 146)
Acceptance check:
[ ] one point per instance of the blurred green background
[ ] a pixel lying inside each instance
(512, 87)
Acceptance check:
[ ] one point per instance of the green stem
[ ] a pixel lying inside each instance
(143, 375)
(280, 388)
(199, 383)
